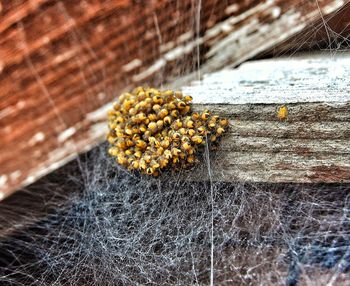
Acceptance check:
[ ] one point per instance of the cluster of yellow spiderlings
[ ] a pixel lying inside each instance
(151, 129)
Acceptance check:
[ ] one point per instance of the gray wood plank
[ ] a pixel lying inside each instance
(312, 144)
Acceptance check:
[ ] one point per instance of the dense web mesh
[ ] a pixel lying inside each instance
(110, 227)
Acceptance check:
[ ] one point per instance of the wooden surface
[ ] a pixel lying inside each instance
(312, 144)
(318, 77)
(62, 61)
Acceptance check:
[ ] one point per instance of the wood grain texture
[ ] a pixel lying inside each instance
(305, 148)
(312, 144)
(62, 61)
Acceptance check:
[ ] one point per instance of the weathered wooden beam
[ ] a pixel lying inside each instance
(311, 144)
(61, 61)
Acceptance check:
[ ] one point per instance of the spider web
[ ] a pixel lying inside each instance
(106, 226)
(93, 223)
